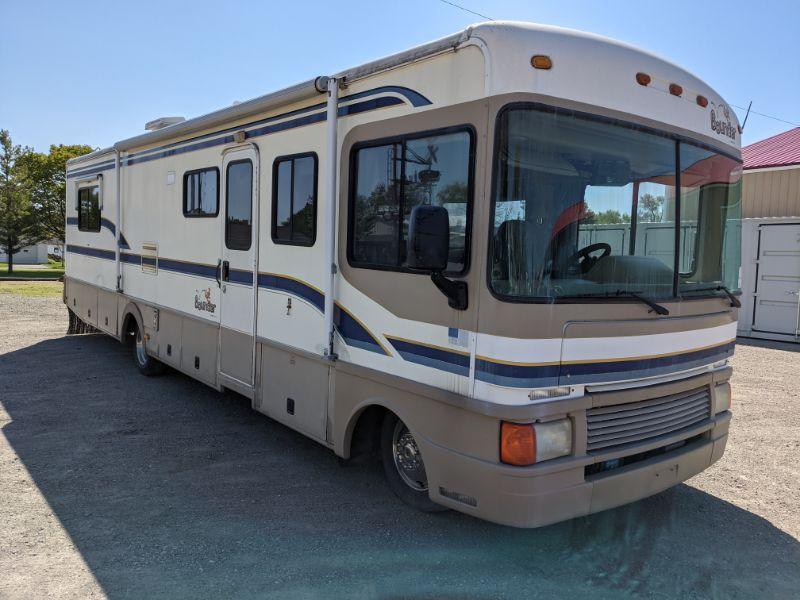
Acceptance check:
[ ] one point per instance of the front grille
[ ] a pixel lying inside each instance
(612, 427)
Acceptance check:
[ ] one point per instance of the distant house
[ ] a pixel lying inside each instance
(36, 254)
(770, 275)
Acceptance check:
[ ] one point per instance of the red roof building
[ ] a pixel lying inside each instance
(771, 182)
(780, 150)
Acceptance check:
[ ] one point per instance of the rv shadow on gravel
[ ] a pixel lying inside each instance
(171, 490)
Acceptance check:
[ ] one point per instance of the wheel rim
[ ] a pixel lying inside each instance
(408, 459)
(141, 353)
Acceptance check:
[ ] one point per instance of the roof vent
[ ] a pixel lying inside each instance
(162, 122)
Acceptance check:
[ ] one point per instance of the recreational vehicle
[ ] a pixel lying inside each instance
(505, 262)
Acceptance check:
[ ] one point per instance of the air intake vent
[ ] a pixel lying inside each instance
(162, 122)
(611, 427)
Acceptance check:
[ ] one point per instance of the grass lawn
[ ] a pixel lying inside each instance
(38, 289)
(52, 270)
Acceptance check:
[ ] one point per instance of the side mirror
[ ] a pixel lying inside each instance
(428, 241)
(427, 249)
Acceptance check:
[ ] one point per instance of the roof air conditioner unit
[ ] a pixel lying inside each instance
(162, 122)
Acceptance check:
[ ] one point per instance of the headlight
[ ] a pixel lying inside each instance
(722, 398)
(529, 443)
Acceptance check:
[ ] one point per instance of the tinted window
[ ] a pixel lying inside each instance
(89, 208)
(294, 200)
(239, 205)
(581, 208)
(201, 193)
(393, 178)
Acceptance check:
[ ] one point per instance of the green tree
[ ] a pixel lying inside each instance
(651, 208)
(17, 221)
(46, 183)
(611, 217)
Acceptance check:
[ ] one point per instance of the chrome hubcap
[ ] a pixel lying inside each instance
(407, 458)
(141, 354)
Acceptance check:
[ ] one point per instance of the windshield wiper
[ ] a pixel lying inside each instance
(720, 288)
(661, 310)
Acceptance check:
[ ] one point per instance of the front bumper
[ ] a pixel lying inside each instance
(557, 490)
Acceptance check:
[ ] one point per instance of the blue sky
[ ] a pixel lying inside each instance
(95, 72)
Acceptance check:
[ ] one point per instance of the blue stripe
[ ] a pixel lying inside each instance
(414, 98)
(354, 333)
(93, 252)
(595, 372)
(297, 288)
(438, 358)
(123, 243)
(516, 375)
(91, 170)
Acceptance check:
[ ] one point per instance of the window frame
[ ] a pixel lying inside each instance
(186, 175)
(274, 208)
(227, 202)
(99, 207)
(676, 138)
(401, 139)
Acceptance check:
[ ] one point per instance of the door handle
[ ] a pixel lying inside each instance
(226, 270)
(217, 272)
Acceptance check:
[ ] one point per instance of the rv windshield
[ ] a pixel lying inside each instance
(587, 208)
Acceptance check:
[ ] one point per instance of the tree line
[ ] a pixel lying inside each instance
(33, 189)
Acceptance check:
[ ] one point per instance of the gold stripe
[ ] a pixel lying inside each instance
(602, 360)
(282, 276)
(319, 291)
(357, 320)
(426, 345)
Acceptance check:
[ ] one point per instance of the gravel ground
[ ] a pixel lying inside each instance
(113, 485)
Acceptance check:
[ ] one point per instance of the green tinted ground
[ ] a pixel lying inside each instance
(52, 270)
(37, 289)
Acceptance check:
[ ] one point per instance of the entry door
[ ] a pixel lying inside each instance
(238, 265)
(778, 285)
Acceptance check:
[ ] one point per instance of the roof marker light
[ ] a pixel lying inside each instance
(540, 61)
(643, 79)
(702, 101)
(675, 89)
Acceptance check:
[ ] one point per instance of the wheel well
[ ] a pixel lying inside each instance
(365, 443)
(129, 326)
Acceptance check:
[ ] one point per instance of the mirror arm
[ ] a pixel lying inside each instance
(456, 291)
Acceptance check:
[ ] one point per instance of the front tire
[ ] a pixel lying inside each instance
(403, 466)
(146, 364)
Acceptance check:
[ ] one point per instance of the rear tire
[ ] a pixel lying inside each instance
(146, 364)
(403, 466)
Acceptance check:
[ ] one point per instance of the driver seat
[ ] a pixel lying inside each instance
(513, 254)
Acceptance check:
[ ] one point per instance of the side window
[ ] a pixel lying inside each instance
(392, 178)
(239, 205)
(294, 200)
(89, 208)
(201, 193)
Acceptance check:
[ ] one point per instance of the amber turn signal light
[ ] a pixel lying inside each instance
(675, 89)
(517, 444)
(643, 79)
(702, 101)
(540, 61)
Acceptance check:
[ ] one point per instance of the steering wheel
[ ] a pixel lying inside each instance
(582, 261)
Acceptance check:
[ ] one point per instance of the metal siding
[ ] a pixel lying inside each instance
(771, 194)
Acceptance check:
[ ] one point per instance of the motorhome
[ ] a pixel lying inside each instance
(505, 262)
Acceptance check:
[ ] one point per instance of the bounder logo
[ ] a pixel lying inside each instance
(721, 121)
(202, 301)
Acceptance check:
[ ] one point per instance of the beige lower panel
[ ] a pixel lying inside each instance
(199, 350)
(169, 340)
(236, 354)
(294, 390)
(107, 312)
(645, 479)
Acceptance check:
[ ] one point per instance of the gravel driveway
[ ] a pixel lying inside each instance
(121, 486)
